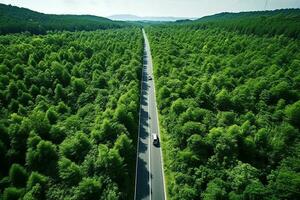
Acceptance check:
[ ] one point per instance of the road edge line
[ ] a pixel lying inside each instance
(162, 160)
(150, 182)
(148, 108)
(138, 136)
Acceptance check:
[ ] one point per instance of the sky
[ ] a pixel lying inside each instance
(161, 8)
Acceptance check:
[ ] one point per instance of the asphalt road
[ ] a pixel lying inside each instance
(149, 183)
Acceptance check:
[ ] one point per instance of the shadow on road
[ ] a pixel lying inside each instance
(142, 180)
(149, 156)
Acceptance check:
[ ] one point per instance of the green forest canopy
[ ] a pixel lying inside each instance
(277, 22)
(14, 20)
(230, 111)
(228, 97)
(69, 112)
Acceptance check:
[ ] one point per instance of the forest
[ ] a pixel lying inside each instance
(229, 104)
(228, 92)
(68, 115)
(15, 20)
(278, 22)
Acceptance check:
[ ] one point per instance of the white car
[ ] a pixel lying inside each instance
(149, 78)
(155, 139)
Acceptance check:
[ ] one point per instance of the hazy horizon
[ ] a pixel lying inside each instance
(151, 8)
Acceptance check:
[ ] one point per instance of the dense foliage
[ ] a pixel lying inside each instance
(15, 20)
(68, 114)
(286, 21)
(230, 113)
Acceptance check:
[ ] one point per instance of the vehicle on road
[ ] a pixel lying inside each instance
(149, 78)
(155, 139)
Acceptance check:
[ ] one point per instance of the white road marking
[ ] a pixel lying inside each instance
(148, 71)
(162, 160)
(148, 96)
(161, 154)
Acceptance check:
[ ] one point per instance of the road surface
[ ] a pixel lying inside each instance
(149, 183)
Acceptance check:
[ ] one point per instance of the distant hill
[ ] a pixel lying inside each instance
(286, 13)
(137, 18)
(277, 22)
(14, 20)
